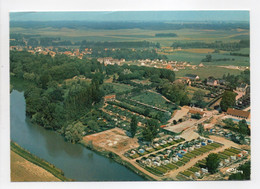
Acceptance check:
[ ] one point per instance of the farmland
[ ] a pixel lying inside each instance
(153, 99)
(23, 170)
(207, 71)
(31, 167)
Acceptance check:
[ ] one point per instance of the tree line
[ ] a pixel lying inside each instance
(219, 45)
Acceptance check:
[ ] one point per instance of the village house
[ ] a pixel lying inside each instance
(212, 81)
(169, 67)
(192, 76)
(109, 98)
(238, 113)
(194, 112)
(201, 65)
(184, 80)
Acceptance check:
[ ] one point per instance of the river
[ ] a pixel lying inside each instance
(76, 161)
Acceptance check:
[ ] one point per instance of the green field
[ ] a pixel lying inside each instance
(207, 71)
(195, 58)
(134, 34)
(153, 99)
(118, 87)
(183, 36)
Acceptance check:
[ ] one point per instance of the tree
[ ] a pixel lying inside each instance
(74, 133)
(93, 125)
(151, 130)
(243, 127)
(212, 162)
(198, 98)
(228, 100)
(200, 129)
(207, 59)
(196, 116)
(133, 126)
(246, 168)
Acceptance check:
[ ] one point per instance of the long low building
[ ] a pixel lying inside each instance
(238, 113)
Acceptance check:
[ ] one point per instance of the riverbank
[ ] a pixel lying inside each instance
(23, 170)
(44, 169)
(116, 158)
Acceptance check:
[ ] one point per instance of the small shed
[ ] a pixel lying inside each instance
(155, 163)
(226, 160)
(204, 170)
(197, 174)
(175, 159)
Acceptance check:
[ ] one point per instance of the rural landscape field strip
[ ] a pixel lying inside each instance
(40, 162)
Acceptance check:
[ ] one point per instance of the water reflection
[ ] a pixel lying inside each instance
(76, 161)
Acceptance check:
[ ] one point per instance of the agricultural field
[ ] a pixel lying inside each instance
(135, 34)
(207, 71)
(122, 113)
(191, 91)
(119, 87)
(195, 57)
(153, 99)
(23, 170)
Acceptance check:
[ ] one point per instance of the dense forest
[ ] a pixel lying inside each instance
(166, 35)
(72, 106)
(50, 101)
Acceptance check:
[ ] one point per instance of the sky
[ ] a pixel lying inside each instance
(132, 16)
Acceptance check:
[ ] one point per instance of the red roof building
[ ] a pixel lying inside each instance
(109, 97)
(238, 113)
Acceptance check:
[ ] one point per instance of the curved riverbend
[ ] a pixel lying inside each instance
(76, 161)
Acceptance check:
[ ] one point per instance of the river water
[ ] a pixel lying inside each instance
(75, 161)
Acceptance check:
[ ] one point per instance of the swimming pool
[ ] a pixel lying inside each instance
(237, 120)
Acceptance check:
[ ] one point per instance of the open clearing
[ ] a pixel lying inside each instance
(114, 140)
(181, 126)
(23, 170)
